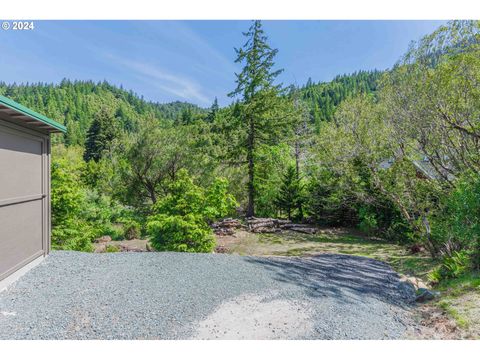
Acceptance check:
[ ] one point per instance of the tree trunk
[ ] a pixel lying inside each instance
(151, 192)
(251, 169)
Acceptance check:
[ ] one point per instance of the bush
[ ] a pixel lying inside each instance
(73, 234)
(368, 221)
(79, 213)
(189, 233)
(180, 220)
(452, 267)
(218, 202)
(115, 231)
(111, 249)
(457, 224)
(69, 230)
(132, 230)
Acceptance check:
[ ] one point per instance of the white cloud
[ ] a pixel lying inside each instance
(164, 80)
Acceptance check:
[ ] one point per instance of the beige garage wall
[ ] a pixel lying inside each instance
(24, 196)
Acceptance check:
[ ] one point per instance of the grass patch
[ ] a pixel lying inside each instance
(453, 311)
(296, 244)
(469, 281)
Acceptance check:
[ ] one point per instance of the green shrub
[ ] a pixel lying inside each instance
(452, 267)
(435, 276)
(73, 234)
(455, 265)
(79, 213)
(368, 220)
(115, 231)
(187, 233)
(457, 222)
(111, 249)
(69, 230)
(132, 230)
(218, 202)
(180, 220)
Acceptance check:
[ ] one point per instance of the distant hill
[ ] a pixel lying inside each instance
(74, 104)
(323, 98)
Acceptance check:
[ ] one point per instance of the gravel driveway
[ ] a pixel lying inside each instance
(205, 296)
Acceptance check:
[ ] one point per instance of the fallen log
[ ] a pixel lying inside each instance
(226, 226)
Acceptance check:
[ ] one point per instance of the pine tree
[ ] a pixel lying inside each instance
(255, 85)
(101, 134)
(186, 117)
(290, 195)
(213, 111)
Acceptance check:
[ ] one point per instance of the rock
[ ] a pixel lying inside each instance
(129, 248)
(221, 249)
(103, 239)
(414, 281)
(424, 295)
(422, 285)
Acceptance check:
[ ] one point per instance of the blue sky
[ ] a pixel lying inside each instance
(194, 60)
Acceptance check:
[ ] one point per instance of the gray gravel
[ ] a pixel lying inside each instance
(75, 295)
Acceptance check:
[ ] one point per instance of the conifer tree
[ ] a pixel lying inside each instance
(259, 97)
(213, 111)
(290, 193)
(101, 134)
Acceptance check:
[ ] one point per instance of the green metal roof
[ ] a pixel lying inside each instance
(32, 114)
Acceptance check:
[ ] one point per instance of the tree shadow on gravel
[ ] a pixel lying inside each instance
(346, 278)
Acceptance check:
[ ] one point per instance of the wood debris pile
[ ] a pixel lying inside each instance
(226, 226)
(271, 225)
(259, 225)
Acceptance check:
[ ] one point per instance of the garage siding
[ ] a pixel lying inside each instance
(24, 199)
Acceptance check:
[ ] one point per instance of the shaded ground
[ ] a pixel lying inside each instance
(177, 296)
(455, 315)
(332, 241)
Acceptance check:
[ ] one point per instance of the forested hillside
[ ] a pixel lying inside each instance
(74, 103)
(323, 98)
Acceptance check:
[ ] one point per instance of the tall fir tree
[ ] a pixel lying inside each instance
(101, 134)
(259, 95)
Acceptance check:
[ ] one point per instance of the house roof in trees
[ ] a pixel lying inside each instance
(19, 113)
(423, 166)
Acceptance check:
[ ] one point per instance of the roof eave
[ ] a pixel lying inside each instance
(48, 125)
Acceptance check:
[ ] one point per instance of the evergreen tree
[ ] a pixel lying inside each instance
(259, 95)
(101, 134)
(290, 195)
(213, 111)
(186, 116)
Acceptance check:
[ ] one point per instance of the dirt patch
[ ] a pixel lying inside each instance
(464, 309)
(433, 323)
(251, 317)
